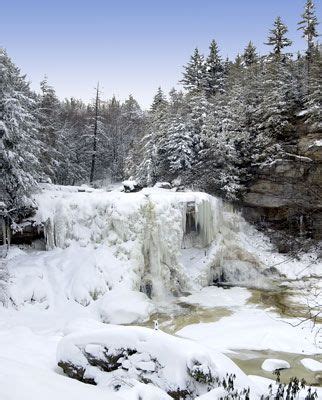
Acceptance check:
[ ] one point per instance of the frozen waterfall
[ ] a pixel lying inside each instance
(174, 241)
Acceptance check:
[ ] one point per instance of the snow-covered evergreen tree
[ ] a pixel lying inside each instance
(250, 55)
(313, 98)
(308, 26)
(52, 153)
(148, 169)
(178, 147)
(19, 147)
(214, 71)
(277, 38)
(194, 73)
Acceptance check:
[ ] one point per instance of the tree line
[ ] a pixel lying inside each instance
(232, 117)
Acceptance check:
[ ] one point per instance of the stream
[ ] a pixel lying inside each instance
(282, 300)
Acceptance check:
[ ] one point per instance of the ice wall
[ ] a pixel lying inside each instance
(155, 231)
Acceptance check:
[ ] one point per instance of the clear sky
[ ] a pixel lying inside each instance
(131, 46)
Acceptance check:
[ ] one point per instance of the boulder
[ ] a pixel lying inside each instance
(271, 365)
(122, 356)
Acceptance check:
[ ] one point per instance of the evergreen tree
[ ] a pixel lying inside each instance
(194, 74)
(278, 100)
(19, 147)
(74, 121)
(308, 26)
(148, 169)
(159, 103)
(214, 71)
(49, 129)
(250, 55)
(277, 38)
(313, 98)
(178, 147)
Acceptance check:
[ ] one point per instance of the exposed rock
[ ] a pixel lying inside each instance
(131, 186)
(287, 193)
(117, 355)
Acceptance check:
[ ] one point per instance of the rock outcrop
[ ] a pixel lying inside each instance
(287, 193)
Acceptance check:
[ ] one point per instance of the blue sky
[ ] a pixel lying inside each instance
(131, 46)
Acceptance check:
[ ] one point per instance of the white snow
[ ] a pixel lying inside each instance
(272, 364)
(125, 307)
(213, 296)
(254, 329)
(312, 365)
(107, 252)
(163, 359)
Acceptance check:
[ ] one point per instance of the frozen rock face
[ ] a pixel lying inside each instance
(118, 356)
(168, 242)
(288, 192)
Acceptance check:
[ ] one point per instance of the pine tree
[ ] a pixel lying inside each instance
(308, 25)
(178, 147)
(278, 100)
(250, 55)
(277, 38)
(159, 103)
(74, 121)
(148, 169)
(19, 147)
(194, 74)
(313, 98)
(49, 127)
(214, 71)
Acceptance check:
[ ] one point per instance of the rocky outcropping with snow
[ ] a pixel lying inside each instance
(287, 193)
(117, 357)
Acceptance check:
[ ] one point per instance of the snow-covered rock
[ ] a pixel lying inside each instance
(312, 365)
(118, 356)
(272, 364)
(125, 307)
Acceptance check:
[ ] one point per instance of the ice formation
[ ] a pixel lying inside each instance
(173, 241)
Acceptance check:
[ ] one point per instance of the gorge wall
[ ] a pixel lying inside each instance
(287, 194)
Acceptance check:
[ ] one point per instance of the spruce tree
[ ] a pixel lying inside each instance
(49, 129)
(250, 55)
(308, 26)
(178, 147)
(277, 38)
(148, 169)
(313, 98)
(214, 71)
(194, 74)
(19, 146)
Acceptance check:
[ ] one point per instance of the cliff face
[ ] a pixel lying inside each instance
(287, 194)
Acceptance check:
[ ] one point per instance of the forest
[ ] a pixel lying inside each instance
(233, 117)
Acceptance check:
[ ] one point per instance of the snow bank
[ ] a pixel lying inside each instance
(214, 296)
(311, 364)
(272, 364)
(254, 329)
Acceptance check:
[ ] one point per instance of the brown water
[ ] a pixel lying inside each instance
(251, 361)
(187, 315)
(281, 300)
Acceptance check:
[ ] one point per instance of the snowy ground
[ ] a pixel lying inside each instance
(108, 252)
